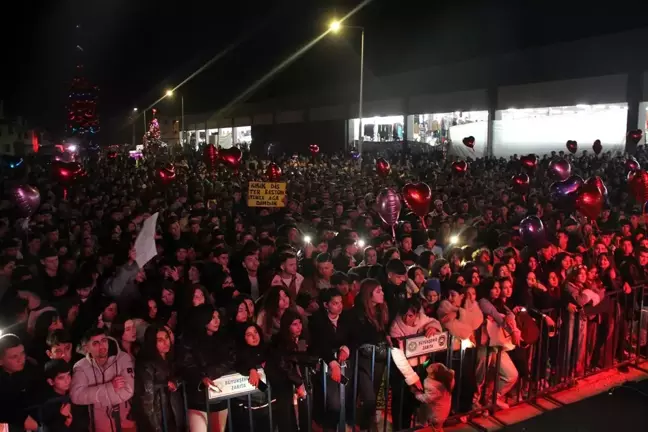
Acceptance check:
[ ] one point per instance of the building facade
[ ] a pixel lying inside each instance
(528, 101)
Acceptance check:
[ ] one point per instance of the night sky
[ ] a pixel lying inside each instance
(135, 49)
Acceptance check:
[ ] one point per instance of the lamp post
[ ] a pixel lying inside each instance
(134, 116)
(169, 93)
(335, 27)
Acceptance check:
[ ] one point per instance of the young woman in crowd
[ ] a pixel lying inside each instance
(369, 321)
(206, 353)
(157, 401)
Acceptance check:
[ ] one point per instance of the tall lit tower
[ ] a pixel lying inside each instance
(82, 117)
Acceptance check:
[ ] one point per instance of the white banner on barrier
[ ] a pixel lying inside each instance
(231, 385)
(422, 345)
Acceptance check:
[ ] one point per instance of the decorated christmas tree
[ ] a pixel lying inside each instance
(152, 136)
(82, 118)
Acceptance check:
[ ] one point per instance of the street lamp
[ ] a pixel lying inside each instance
(335, 27)
(169, 93)
(135, 109)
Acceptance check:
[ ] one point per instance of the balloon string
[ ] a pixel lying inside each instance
(393, 232)
(423, 222)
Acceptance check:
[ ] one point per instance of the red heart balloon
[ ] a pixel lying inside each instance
(469, 142)
(314, 149)
(166, 175)
(460, 167)
(418, 196)
(635, 135)
(210, 156)
(638, 183)
(273, 172)
(231, 157)
(67, 171)
(572, 146)
(520, 183)
(597, 147)
(382, 167)
(631, 164)
(589, 201)
(598, 182)
(529, 162)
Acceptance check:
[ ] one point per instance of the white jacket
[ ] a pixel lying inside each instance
(92, 385)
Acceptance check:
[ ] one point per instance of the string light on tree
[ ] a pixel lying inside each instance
(82, 117)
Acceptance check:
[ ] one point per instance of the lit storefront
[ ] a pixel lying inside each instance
(223, 137)
(379, 129)
(441, 128)
(543, 130)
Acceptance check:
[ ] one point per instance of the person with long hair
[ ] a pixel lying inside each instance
(288, 349)
(370, 317)
(251, 356)
(205, 354)
(155, 384)
(275, 302)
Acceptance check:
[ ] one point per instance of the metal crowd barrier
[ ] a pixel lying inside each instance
(555, 362)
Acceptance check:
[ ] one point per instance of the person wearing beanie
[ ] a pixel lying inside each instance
(431, 295)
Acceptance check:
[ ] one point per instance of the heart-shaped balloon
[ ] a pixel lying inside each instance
(589, 201)
(26, 198)
(560, 169)
(382, 167)
(598, 182)
(165, 175)
(231, 157)
(532, 231)
(597, 147)
(520, 183)
(635, 135)
(460, 167)
(210, 156)
(572, 146)
(67, 171)
(273, 172)
(469, 142)
(632, 164)
(314, 149)
(638, 183)
(529, 162)
(563, 193)
(389, 206)
(418, 196)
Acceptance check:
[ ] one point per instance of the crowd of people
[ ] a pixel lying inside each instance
(303, 298)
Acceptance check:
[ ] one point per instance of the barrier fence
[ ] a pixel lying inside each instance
(569, 347)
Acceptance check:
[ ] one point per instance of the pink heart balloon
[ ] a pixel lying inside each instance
(389, 206)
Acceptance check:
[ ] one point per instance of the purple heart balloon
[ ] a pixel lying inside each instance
(560, 169)
(389, 206)
(26, 199)
(532, 231)
(564, 193)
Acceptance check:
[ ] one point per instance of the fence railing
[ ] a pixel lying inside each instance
(570, 346)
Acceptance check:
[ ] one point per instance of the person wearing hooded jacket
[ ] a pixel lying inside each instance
(105, 383)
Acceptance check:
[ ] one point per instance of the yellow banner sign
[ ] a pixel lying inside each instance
(267, 194)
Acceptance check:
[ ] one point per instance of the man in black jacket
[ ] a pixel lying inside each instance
(18, 385)
(331, 329)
